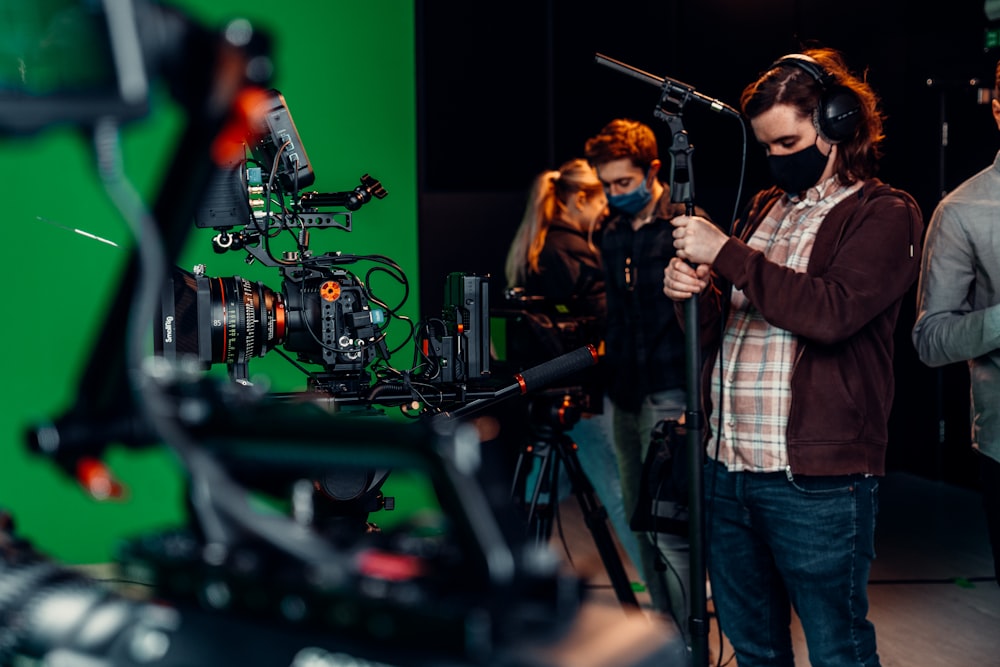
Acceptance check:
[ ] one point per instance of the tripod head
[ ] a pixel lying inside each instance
(557, 410)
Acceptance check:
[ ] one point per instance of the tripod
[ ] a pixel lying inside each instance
(551, 415)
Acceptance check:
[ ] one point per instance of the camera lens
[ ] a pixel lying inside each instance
(219, 320)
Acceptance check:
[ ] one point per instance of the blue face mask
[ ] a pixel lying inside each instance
(631, 202)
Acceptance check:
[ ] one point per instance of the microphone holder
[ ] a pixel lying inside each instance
(682, 191)
(674, 96)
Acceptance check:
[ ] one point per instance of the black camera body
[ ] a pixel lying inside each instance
(325, 315)
(321, 313)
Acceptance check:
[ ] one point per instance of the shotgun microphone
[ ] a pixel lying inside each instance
(670, 86)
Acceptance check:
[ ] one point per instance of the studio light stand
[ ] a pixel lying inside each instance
(682, 191)
(674, 96)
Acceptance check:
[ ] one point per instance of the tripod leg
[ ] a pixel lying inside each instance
(596, 518)
(539, 510)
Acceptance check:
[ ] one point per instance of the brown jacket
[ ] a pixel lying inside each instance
(843, 309)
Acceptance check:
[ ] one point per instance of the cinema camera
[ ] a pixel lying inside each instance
(325, 312)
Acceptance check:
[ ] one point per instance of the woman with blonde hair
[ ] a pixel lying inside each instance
(554, 254)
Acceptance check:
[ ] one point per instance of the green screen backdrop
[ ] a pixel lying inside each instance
(347, 73)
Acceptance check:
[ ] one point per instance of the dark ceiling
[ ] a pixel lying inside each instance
(509, 93)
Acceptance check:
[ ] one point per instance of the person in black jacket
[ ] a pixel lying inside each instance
(555, 303)
(554, 253)
(644, 343)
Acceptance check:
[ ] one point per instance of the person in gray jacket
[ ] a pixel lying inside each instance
(958, 311)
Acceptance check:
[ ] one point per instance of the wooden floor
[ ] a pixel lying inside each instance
(933, 597)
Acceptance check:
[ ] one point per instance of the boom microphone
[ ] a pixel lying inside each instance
(670, 86)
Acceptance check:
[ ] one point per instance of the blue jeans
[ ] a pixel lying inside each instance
(774, 544)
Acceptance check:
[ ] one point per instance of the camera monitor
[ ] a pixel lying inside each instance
(69, 62)
(280, 145)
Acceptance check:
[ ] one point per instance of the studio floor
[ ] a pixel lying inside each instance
(934, 599)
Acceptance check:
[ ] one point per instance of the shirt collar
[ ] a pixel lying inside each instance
(816, 193)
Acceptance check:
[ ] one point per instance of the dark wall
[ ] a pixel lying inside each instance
(507, 95)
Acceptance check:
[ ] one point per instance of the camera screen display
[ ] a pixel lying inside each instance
(68, 61)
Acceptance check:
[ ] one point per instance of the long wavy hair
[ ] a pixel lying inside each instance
(858, 155)
(551, 194)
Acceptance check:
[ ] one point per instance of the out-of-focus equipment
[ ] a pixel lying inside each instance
(664, 490)
(455, 591)
(70, 62)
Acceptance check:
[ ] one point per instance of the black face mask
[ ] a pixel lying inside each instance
(797, 171)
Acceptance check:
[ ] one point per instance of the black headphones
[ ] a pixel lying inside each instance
(839, 111)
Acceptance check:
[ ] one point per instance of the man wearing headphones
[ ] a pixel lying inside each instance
(798, 310)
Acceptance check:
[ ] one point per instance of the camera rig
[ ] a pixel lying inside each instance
(326, 311)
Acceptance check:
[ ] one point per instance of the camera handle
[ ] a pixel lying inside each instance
(352, 201)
